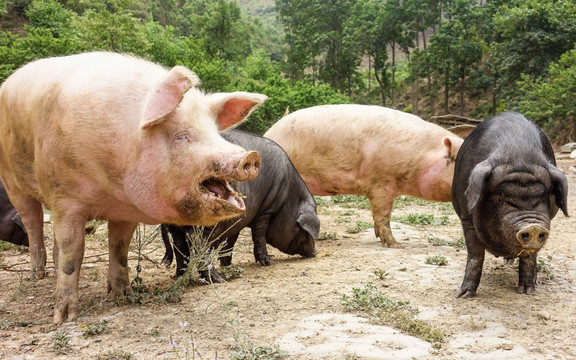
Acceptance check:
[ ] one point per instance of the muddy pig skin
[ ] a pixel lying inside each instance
(104, 135)
(367, 150)
(506, 190)
(280, 210)
(11, 227)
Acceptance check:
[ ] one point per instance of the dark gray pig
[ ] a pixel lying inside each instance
(11, 227)
(280, 210)
(506, 190)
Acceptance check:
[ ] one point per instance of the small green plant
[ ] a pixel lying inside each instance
(436, 241)
(116, 355)
(246, 350)
(6, 324)
(351, 201)
(231, 272)
(403, 201)
(381, 274)
(437, 260)
(61, 342)
(422, 220)
(348, 212)
(342, 219)
(327, 235)
(544, 267)
(95, 329)
(392, 312)
(359, 227)
(155, 332)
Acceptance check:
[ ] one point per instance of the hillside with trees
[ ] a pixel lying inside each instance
(428, 57)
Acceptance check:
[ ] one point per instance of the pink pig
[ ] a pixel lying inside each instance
(104, 135)
(368, 150)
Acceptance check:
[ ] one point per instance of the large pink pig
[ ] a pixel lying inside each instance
(368, 150)
(104, 135)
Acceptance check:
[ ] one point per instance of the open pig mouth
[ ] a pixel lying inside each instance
(220, 190)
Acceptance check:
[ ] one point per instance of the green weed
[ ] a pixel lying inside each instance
(327, 235)
(61, 342)
(437, 260)
(544, 267)
(116, 355)
(395, 313)
(95, 329)
(436, 241)
(359, 227)
(422, 220)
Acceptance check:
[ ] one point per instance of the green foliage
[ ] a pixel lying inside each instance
(398, 314)
(359, 227)
(95, 329)
(551, 102)
(437, 260)
(422, 219)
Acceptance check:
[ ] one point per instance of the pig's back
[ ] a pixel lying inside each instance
(348, 144)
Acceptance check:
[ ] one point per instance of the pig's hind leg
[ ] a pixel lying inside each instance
(119, 236)
(32, 216)
(69, 230)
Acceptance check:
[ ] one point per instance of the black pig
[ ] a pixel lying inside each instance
(11, 226)
(280, 210)
(506, 190)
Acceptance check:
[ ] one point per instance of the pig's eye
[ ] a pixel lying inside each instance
(182, 137)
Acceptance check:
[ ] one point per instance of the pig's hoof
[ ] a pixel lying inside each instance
(465, 293)
(391, 243)
(264, 260)
(213, 277)
(528, 290)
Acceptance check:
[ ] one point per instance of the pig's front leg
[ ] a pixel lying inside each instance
(69, 230)
(474, 262)
(226, 258)
(119, 236)
(259, 230)
(381, 202)
(527, 274)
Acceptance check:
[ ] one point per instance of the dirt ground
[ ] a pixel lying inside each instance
(296, 304)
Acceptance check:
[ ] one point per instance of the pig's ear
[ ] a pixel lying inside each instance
(18, 221)
(233, 108)
(476, 184)
(308, 220)
(559, 188)
(167, 95)
(452, 144)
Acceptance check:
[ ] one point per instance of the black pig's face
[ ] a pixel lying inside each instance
(513, 215)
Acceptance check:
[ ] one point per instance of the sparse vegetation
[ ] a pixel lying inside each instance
(95, 329)
(436, 241)
(61, 342)
(359, 227)
(437, 260)
(324, 235)
(422, 220)
(116, 355)
(546, 269)
(391, 312)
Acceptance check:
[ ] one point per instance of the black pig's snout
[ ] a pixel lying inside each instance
(532, 237)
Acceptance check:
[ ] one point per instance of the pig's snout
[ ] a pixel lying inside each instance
(248, 167)
(532, 237)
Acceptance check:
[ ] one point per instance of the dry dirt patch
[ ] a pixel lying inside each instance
(297, 303)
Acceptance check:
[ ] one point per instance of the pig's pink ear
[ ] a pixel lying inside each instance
(234, 108)
(453, 145)
(167, 95)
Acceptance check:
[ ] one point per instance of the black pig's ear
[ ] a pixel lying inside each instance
(476, 184)
(559, 188)
(309, 221)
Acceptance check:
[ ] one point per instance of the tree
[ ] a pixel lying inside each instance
(550, 100)
(530, 36)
